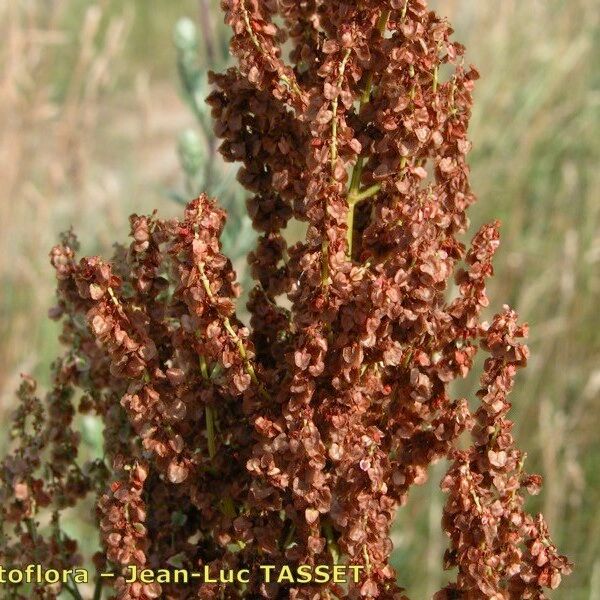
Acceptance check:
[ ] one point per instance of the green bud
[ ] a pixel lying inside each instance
(191, 152)
(185, 35)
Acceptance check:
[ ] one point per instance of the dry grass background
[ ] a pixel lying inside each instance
(89, 115)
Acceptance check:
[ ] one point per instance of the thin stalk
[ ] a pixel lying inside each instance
(98, 589)
(74, 591)
(365, 194)
(404, 9)
(203, 368)
(289, 538)
(332, 544)
(365, 99)
(249, 29)
(209, 413)
(248, 366)
(354, 189)
(210, 431)
(367, 560)
(350, 229)
(333, 160)
(334, 110)
(353, 200)
(31, 529)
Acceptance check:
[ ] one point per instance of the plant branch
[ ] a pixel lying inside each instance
(210, 431)
(74, 591)
(357, 197)
(98, 589)
(248, 366)
(334, 110)
(354, 194)
(209, 413)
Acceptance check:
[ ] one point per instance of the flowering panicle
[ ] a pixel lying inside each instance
(499, 549)
(122, 513)
(295, 439)
(40, 476)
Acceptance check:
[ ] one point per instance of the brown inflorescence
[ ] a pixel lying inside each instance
(294, 440)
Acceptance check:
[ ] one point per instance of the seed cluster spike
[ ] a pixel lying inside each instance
(295, 440)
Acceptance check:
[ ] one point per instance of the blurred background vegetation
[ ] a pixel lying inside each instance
(95, 124)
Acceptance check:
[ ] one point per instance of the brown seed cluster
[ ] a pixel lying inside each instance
(295, 439)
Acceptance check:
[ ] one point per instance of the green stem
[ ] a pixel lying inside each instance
(350, 229)
(31, 529)
(209, 414)
(289, 538)
(357, 173)
(98, 589)
(354, 199)
(74, 591)
(332, 544)
(203, 368)
(210, 431)
(354, 194)
(367, 560)
(334, 110)
(404, 9)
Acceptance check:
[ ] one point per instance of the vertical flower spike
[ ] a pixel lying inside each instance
(256, 43)
(122, 513)
(208, 288)
(374, 161)
(499, 549)
(295, 440)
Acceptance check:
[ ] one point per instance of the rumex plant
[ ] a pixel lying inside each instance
(294, 439)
